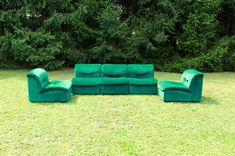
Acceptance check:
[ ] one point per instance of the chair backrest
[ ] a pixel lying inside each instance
(114, 70)
(37, 80)
(140, 71)
(193, 79)
(87, 70)
(40, 76)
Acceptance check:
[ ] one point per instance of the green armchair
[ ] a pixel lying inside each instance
(41, 90)
(189, 89)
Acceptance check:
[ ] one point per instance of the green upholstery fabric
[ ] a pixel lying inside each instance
(57, 85)
(85, 81)
(175, 96)
(41, 90)
(189, 89)
(86, 89)
(143, 86)
(140, 71)
(114, 89)
(170, 85)
(41, 76)
(142, 82)
(87, 70)
(143, 89)
(141, 79)
(114, 70)
(113, 81)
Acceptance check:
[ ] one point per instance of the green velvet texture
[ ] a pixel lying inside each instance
(114, 70)
(141, 79)
(143, 82)
(171, 85)
(143, 89)
(40, 76)
(140, 71)
(175, 96)
(143, 86)
(87, 79)
(189, 89)
(95, 89)
(87, 70)
(41, 90)
(114, 89)
(114, 81)
(57, 85)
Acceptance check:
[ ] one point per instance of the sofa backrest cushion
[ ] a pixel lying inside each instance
(87, 70)
(190, 76)
(140, 71)
(114, 70)
(40, 76)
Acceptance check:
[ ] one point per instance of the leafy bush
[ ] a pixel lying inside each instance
(33, 49)
(52, 34)
(215, 60)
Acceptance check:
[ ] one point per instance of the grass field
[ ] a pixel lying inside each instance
(117, 125)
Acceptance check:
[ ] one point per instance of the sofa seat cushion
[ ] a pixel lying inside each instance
(114, 81)
(142, 82)
(170, 85)
(85, 81)
(57, 85)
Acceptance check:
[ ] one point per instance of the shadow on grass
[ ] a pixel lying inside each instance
(204, 101)
(209, 101)
(73, 100)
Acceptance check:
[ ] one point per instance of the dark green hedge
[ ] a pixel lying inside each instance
(174, 35)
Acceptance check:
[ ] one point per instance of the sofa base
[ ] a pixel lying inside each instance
(114, 89)
(53, 96)
(177, 96)
(142, 89)
(86, 89)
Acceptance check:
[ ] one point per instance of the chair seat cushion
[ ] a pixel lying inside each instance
(170, 85)
(142, 82)
(85, 81)
(57, 85)
(114, 81)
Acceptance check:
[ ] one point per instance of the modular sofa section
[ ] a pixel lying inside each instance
(114, 79)
(188, 90)
(41, 90)
(141, 79)
(87, 79)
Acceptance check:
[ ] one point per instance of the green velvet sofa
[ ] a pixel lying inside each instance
(188, 90)
(41, 90)
(114, 79)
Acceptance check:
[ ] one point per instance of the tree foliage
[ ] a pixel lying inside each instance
(174, 35)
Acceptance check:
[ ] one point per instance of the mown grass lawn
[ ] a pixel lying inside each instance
(117, 125)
